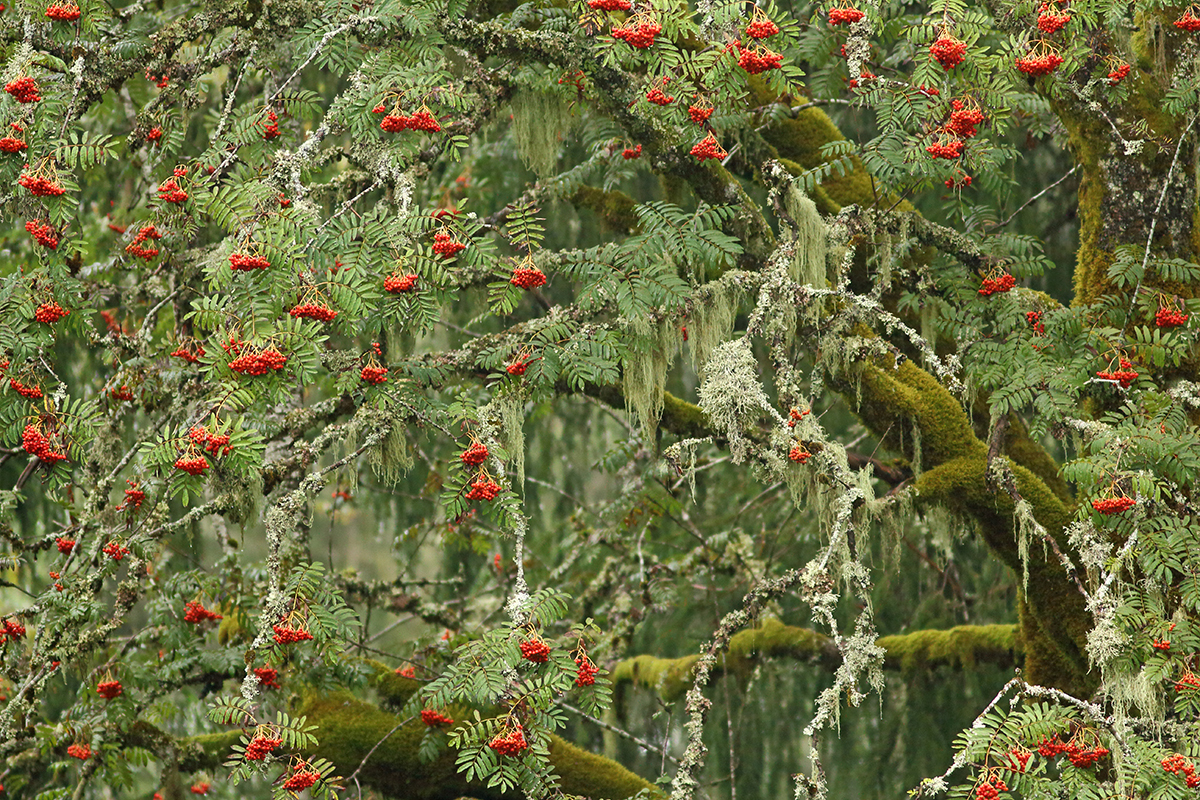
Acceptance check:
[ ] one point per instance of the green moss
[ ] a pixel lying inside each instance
(683, 418)
(962, 647)
(614, 207)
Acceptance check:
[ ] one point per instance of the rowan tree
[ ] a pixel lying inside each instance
(393, 391)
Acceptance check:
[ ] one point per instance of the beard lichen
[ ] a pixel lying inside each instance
(539, 121)
(644, 371)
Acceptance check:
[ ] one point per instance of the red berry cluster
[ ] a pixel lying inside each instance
(535, 650)
(374, 374)
(433, 718)
(1079, 755)
(640, 36)
(271, 129)
(795, 415)
(49, 313)
(699, 114)
(484, 489)
(64, 544)
(115, 551)
(610, 5)
(35, 443)
(159, 81)
(197, 613)
(312, 311)
(201, 787)
(799, 453)
(1187, 22)
(301, 779)
(1125, 376)
(763, 28)
(947, 148)
(760, 59)
(963, 119)
(268, 677)
(216, 444)
(80, 751)
(29, 392)
(632, 152)
(708, 148)
(10, 144)
(839, 15)
(511, 743)
(518, 366)
(398, 284)
(1034, 318)
(1051, 21)
(1118, 74)
(155, 134)
(134, 497)
(527, 277)
(135, 248)
(109, 689)
(260, 747)
(422, 120)
(1161, 644)
(259, 363)
(962, 181)
(1170, 318)
(192, 464)
(445, 246)
(23, 90)
(188, 355)
(41, 186)
(1039, 65)
(1178, 765)
(586, 674)
(474, 455)
(1187, 681)
(169, 191)
(63, 12)
(407, 671)
(43, 233)
(286, 634)
(1018, 759)
(997, 285)
(122, 393)
(657, 96)
(245, 262)
(948, 50)
(12, 629)
(990, 789)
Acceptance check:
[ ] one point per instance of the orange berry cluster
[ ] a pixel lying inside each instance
(134, 497)
(960, 182)
(632, 152)
(963, 120)
(10, 144)
(301, 779)
(63, 12)
(374, 374)
(1051, 21)
(474, 455)
(312, 311)
(259, 363)
(517, 367)
(135, 248)
(951, 148)
(23, 90)
(1170, 318)
(397, 284)
(1187, 22)
(760, 59)
(1187, 681)
(839, 15)
(192, 465)
(1080, 756)
(445, 246)
(260, 747)
(197, 613)
(109, 689)
(12, 630)
(433, 718)
(586, 674)
(188, 355)
(527, 277)
(1039, 65)
(641, 36)
(1118, 74)
(169, 191)
(799, 454)
(795, 415)
(286, 634)
(245, 262)
(271, 129)
(115, 551)
(1113, 505)
(122, 393)
(700, 114)
(407, 672)
(35, 443)
(483, 489)
(657, 96)
(535, 650)
(422, 120)
(41, 186)
(50, 313)
(997, 285)
(212, 442)
(511, 743)
(43, 233)
(610, 5)
(1161, 644)
(155, 134)
(1178, 765)
(29, 392)
(762, 28)
(1034, 318)
(949, 51)
(990, 789)
(201, 787)
(1125, 376)
(1018, 760)
(80, 751)
(267, 677)
(64, 544)
(708, 148)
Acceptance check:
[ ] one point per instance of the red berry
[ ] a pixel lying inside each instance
(109, 689)
(948, 50)
(535, 650)
(527, 277)
(474, 455)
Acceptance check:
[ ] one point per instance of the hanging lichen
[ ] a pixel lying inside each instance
(710, 319)
(539, 122)
(512, 434)
(644, 370)
(808, 262)
(682, 455)
(731, 394)
(390, 458)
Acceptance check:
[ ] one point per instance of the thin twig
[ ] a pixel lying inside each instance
(622, 733)
(1026, 204)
